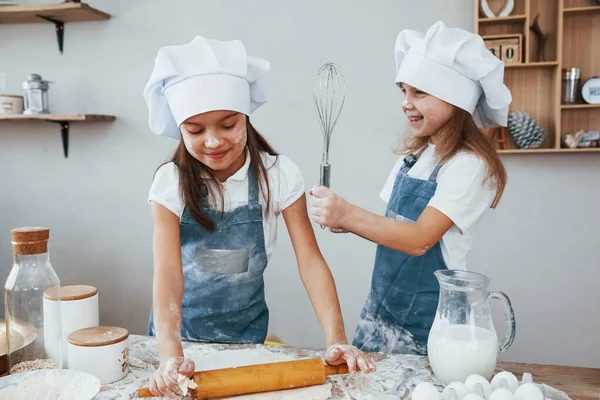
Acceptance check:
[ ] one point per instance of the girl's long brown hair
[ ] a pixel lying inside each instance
(192, 175)
(462, 134)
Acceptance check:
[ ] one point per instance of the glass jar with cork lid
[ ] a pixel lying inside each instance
(31, 276)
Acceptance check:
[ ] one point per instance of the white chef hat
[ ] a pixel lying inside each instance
(455, 66)
(200, 76)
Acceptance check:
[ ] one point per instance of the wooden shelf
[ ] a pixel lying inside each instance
(57, 14)
(549, 151)
(64, 12)
(579, 106)
(59, 117)
(503, 20)
(545, 64)
(572, 31)
(63, 120)
(581, 10)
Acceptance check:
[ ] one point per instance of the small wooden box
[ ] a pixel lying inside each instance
(495, 49)
(508, 48)
(510, 53)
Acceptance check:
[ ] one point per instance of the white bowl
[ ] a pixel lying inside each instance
(50, 384)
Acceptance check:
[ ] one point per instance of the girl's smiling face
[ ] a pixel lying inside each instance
(217, 139)
(427, 114)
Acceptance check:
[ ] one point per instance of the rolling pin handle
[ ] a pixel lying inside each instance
(145, 392)
(336, 369)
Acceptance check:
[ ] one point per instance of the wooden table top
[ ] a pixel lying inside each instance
(578, 383)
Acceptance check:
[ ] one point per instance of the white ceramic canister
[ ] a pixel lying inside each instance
(78, 310)
(102, 351)
(11, 104)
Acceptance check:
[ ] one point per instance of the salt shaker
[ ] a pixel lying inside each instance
(36, 95)
(33, 341)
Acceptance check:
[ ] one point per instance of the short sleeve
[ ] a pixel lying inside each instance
(165, 189)
(461, 194)
(388, 187)
(291, 183)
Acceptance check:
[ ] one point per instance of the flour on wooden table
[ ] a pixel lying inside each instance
(45, 387)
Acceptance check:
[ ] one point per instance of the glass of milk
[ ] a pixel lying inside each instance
(463, 340)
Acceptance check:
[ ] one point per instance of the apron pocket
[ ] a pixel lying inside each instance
(398, 217)
(222, 261)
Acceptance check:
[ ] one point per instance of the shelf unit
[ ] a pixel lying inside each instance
(573, 27)
(64, 120)
(58, 14)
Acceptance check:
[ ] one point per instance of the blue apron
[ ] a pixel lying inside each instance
(404, 292)
(224, 299)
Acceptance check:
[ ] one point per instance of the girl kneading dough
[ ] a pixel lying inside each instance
(215, 207)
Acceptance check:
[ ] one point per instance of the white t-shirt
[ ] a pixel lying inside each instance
(460, 195)
(285, 183)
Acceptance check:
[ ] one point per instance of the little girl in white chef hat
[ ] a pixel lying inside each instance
(215, 207)
(448, 174)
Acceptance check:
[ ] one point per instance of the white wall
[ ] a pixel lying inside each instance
(541, 246)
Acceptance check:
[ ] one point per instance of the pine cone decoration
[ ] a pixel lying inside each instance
(526, 131)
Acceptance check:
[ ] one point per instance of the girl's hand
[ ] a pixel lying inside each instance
(165, 380)
(328, 208)
(356, 359)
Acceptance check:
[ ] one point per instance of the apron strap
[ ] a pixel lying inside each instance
(204, 193)
(252, 187)
(410, 160)
(253, 197)
(434, 173)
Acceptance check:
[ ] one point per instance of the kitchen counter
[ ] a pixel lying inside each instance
(394, 371)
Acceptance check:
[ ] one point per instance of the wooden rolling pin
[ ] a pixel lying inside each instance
(260, 378)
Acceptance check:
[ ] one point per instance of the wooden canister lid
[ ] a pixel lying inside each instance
(70, 293)
(30, 240)
(98, 336)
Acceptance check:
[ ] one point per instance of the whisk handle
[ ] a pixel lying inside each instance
(325, 176)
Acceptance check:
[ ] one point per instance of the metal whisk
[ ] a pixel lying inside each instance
(329, 91)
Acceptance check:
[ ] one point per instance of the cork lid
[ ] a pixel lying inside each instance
(71, 293)
(98, 336)
(30, 240)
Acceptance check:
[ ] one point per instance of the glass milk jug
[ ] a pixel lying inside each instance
(463, 340)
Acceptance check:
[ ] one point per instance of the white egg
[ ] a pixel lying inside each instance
(473, 396)
(502, 394)
(477, 384)
(505, 379)
(449, 395)
(529, 391)
(527, 378)
(459, 389)
(426, 391)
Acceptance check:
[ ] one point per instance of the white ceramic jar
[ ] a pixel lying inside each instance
(78, 310)
(102, 351)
